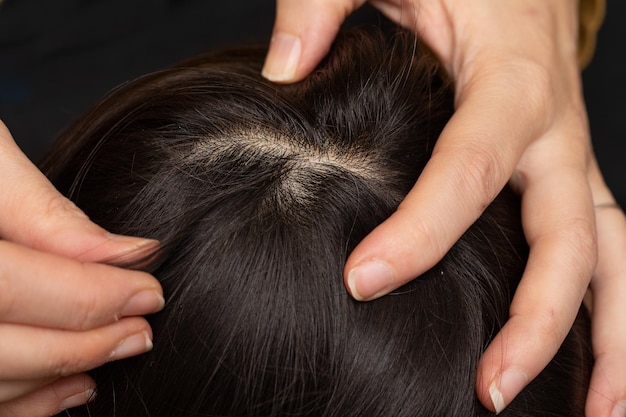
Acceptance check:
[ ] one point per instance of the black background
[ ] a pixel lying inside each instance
(58, 57)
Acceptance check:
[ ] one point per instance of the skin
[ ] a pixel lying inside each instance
(61, 313)
(520, 118)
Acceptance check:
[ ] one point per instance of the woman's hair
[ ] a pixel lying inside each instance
(258, 192)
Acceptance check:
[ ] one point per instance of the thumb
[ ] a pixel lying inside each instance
(34, 214)
(303, 33)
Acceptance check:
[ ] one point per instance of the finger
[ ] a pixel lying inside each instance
(473, 159)
(559, 224)
(607, 390)
(47, 353)
(62, 394)
(46, 290)
(405, 13)
(33, 213)
(303, 33)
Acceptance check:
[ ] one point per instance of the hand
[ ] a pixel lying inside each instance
(60, 313)
(520, 116)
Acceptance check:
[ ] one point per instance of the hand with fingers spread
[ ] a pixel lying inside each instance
(520, 117)
(61, 313)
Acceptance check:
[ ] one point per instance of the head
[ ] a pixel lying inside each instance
(258, 192)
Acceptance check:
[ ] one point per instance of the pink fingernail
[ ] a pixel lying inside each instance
(144, 302)
(282, 61)
(371, 280)
(132, 346)
(134, 248)
(504, 389)
(78, 399)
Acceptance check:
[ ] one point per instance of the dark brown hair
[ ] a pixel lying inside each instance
(258, 192)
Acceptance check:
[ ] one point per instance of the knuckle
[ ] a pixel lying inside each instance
(531, 90)
(53, 212)
(69, 363)
(551, 328)
(87, 308)
(71, 356)
(580, 237)
(538, 93)
(531, 84)
(58, 205)
(420, 235)
(480, 175)
(51, 215)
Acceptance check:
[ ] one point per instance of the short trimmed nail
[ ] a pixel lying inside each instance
(78, 399)
(144, 302)
(134, 242)
(283, 58)
(619, 410)
(132, 346)
(504, 388)
(134, 248)
(139, 242)
(371, 280)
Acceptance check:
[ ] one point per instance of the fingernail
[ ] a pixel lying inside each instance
(135, 242)
(503, 389)
(282, 60)
(134, 247)
(144, 302)
(141, 243)
(78, 399)
(132, 346)
(619, 410)
(371, 280)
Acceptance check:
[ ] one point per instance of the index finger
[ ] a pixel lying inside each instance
(472, 161)
(46, 290)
